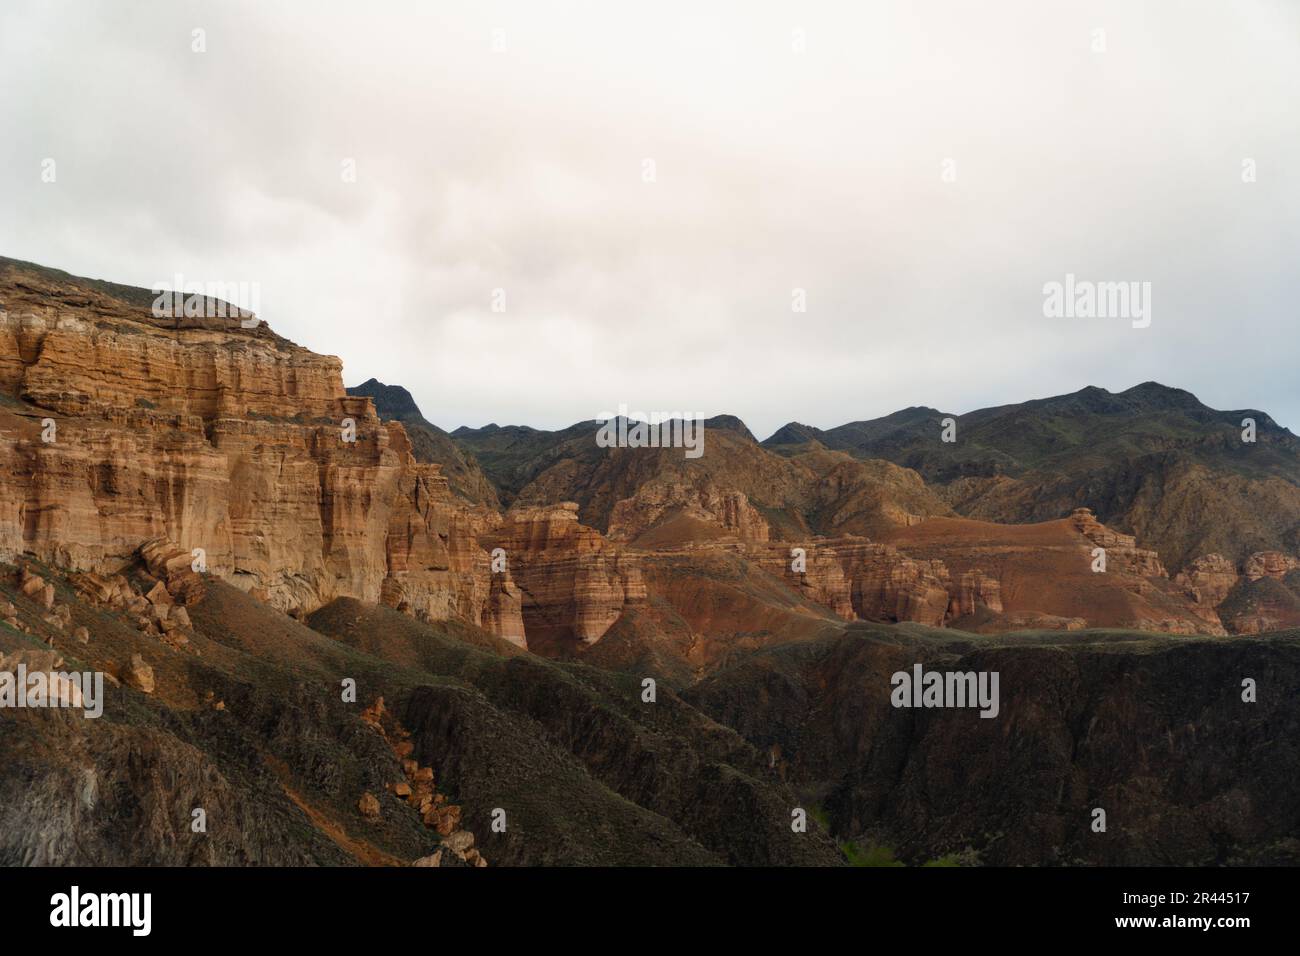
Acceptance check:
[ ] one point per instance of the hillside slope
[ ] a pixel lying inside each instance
(1151, 461)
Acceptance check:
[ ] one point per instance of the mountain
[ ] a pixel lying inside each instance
(429, 443)
(351, 638)
(197, 450)
(735, 487)
(512, 455)
(1152, 461)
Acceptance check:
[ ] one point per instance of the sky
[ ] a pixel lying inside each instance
(531, 213)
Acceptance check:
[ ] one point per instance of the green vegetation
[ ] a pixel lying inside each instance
(884, 856)
(872, 856)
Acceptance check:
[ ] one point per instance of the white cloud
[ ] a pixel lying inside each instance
(522, 170)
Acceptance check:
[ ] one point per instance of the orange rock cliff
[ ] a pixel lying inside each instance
(119, 428)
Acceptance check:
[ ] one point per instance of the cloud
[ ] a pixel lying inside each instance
(523, 170)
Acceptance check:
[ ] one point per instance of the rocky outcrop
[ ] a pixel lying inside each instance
(1122, 552)
(107, 360)
(859, 579)
(228, 451)
(368, 806)
(35, 587)
(503, 614)
(1208, 579)
(819, 570)
(973, 592)
(1261, 606)
(894, 587)
(224, 441)
(1264, 596)
(703, 508)
(1270, 564)
(58, 688)
(140, 675)
(418, 791)
(573, 583)
(1008, 577)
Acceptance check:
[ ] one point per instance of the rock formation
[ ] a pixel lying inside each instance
(573, 583)
(704, 508)
(1271, 564)
(863, 580)
(1007, 577)
(233, 448)
(1208, 579)
(1122, 552)
(227, 451)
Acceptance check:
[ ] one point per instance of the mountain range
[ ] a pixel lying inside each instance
(631, 655)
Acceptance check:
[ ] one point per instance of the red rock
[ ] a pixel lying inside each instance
(368, 805)
(1207, 581)
(1273, 564)
(577, 581)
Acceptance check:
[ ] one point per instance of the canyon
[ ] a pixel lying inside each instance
(230, 439)
(201, 510)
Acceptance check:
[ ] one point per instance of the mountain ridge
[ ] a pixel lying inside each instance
(642, 658)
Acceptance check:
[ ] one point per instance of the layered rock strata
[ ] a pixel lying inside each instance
(573, 583)
(232, 443)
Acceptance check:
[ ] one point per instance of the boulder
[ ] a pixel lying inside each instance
(369, 806)
(140, 675)
(30, 584)
(159, 596)
(458, 842)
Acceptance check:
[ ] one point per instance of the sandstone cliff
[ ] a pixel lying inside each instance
(227, 441)
(573, 583)
(119, 427)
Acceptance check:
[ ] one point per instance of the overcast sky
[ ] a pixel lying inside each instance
(920, 169)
